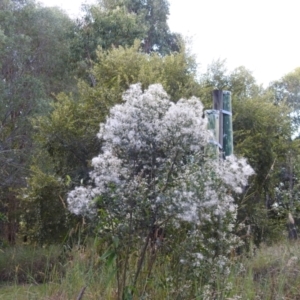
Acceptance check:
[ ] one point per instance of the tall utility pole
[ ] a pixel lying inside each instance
(220, 121)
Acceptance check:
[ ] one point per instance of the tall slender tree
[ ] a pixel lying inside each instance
(287, 90)
(34, 63)
(113, 23)
(155, 15)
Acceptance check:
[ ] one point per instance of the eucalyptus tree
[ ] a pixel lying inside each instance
(240, 82)
(34, 59)
(114, 23)
(154, 14)
(287, 90)
(103, 27)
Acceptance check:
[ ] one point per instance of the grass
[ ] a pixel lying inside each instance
(29, 265)
(24, 292)
(272, 273)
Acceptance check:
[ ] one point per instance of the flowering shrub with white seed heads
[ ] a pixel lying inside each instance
(156, 169)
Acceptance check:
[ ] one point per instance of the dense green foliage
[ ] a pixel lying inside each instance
(152, 16)
(34, 64)
(114, 23)
(287, 90)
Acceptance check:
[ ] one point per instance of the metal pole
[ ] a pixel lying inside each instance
(222, 104)
(218, 105)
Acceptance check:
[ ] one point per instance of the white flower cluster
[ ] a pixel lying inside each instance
(148, 136)
(206, 190)
(80, 201)
(154, 166)
(235, 172)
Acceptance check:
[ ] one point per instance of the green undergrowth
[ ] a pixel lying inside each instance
(273, 272)
(30, 265)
